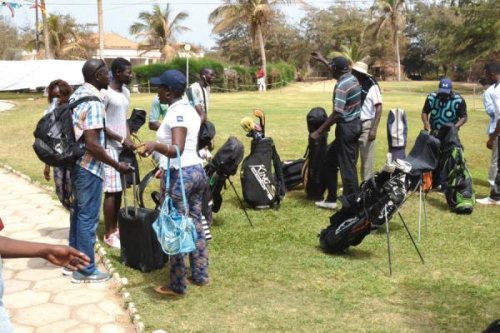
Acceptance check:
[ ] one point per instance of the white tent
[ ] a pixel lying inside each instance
(31, 74)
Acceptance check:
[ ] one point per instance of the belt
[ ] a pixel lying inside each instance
(366, 120)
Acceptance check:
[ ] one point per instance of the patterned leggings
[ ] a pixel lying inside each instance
(195, 180)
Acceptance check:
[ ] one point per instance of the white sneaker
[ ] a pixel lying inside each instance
(488, 201)
(326, 205)
(67, 271)
(112, 241)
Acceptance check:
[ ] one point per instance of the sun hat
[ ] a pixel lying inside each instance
(445, 86)
(172, 78)
(361, 67)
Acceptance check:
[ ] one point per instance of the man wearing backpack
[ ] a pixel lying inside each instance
(341, 155)
(116, 103)
(492, 74)
(88, 174)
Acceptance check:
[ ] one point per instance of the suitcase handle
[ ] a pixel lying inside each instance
(124, 188)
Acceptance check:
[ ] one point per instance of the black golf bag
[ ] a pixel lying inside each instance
(223, 165)
(378, 198)
(262, 188)
(459, 192)
(313, 176)
(292, 172)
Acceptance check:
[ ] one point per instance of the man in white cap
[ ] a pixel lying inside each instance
(371, 110)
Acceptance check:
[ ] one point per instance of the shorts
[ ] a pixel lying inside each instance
(112, 181)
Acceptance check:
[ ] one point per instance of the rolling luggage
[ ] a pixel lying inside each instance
(140, 248)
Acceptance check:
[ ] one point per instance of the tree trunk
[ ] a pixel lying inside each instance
(46, 36)
(262, 51)
(396, 49)
(101, 29)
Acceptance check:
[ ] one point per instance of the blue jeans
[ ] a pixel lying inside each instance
(87, 191)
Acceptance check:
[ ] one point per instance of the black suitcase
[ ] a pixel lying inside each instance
(140, 248)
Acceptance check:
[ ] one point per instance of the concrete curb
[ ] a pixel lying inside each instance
(128, 304)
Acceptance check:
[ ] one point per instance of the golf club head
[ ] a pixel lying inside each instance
(247, 124)
(262, 119)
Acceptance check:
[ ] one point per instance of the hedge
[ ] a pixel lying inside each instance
(228, 78)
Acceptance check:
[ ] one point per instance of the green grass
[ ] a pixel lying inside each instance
(274, 277)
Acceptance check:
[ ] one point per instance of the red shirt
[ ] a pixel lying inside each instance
(261, 73)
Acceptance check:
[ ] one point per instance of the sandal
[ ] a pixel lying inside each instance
(164, 290)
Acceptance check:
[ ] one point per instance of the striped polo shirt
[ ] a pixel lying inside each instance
(87, 116)
(347, 97)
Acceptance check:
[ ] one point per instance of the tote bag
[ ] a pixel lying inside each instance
(176, 232)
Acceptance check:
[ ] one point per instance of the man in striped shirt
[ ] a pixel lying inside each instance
(88, 175)
(341, 155)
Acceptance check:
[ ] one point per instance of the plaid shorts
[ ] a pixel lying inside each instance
(112, 182)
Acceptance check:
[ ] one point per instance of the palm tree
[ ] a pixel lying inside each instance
(65, 39)
(387, 14)
(353, 52)
(158, 29)
(255, 13)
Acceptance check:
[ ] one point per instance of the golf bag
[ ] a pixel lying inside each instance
(378, 198)
(459, 192)
(397, 133)
(292, 173)
(312, 173)
(261, 187)
(223, 165)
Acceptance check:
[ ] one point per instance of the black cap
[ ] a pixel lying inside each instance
(340, 63)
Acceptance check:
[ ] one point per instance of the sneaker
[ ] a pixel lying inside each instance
(402, 165)
(488, 201)
(94, 278)
(326, 205)
(66, 271)
(112, 241)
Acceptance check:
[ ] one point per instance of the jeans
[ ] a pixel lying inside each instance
(341, 156)
(87, 190)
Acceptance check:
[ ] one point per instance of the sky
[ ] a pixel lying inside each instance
(120, 14)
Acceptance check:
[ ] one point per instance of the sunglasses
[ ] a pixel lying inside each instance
(100, 66)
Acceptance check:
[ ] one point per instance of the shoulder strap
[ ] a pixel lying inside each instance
(204, 99)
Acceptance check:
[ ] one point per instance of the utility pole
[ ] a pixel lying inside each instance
(46, 37)
(101, 29)
(37, 46)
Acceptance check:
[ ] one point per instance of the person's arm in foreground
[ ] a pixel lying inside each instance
(376, 120)
(60, 255)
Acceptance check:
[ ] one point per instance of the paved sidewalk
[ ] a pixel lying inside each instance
(38, 297)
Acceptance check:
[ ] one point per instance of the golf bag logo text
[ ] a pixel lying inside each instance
(260, 173)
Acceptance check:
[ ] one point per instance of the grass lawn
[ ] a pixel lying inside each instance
(275, 278)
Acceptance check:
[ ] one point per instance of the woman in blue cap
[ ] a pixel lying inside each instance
(180, 127)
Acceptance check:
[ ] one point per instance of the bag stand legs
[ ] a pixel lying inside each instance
(421, 203)
(241, 203)
(389, 241)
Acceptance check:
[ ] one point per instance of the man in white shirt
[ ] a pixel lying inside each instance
(201, 89)
(492, 74)
(371, 110)
(116, 102)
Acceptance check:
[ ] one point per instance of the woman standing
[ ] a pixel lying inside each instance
(58, 93)
(180, 127)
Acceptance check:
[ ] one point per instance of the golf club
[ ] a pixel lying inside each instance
(262, 120)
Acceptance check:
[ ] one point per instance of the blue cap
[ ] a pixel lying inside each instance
(172, 78)
(445, 86)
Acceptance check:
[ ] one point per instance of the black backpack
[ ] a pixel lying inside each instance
(55, 142)
(262, 188)
(223, 165)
